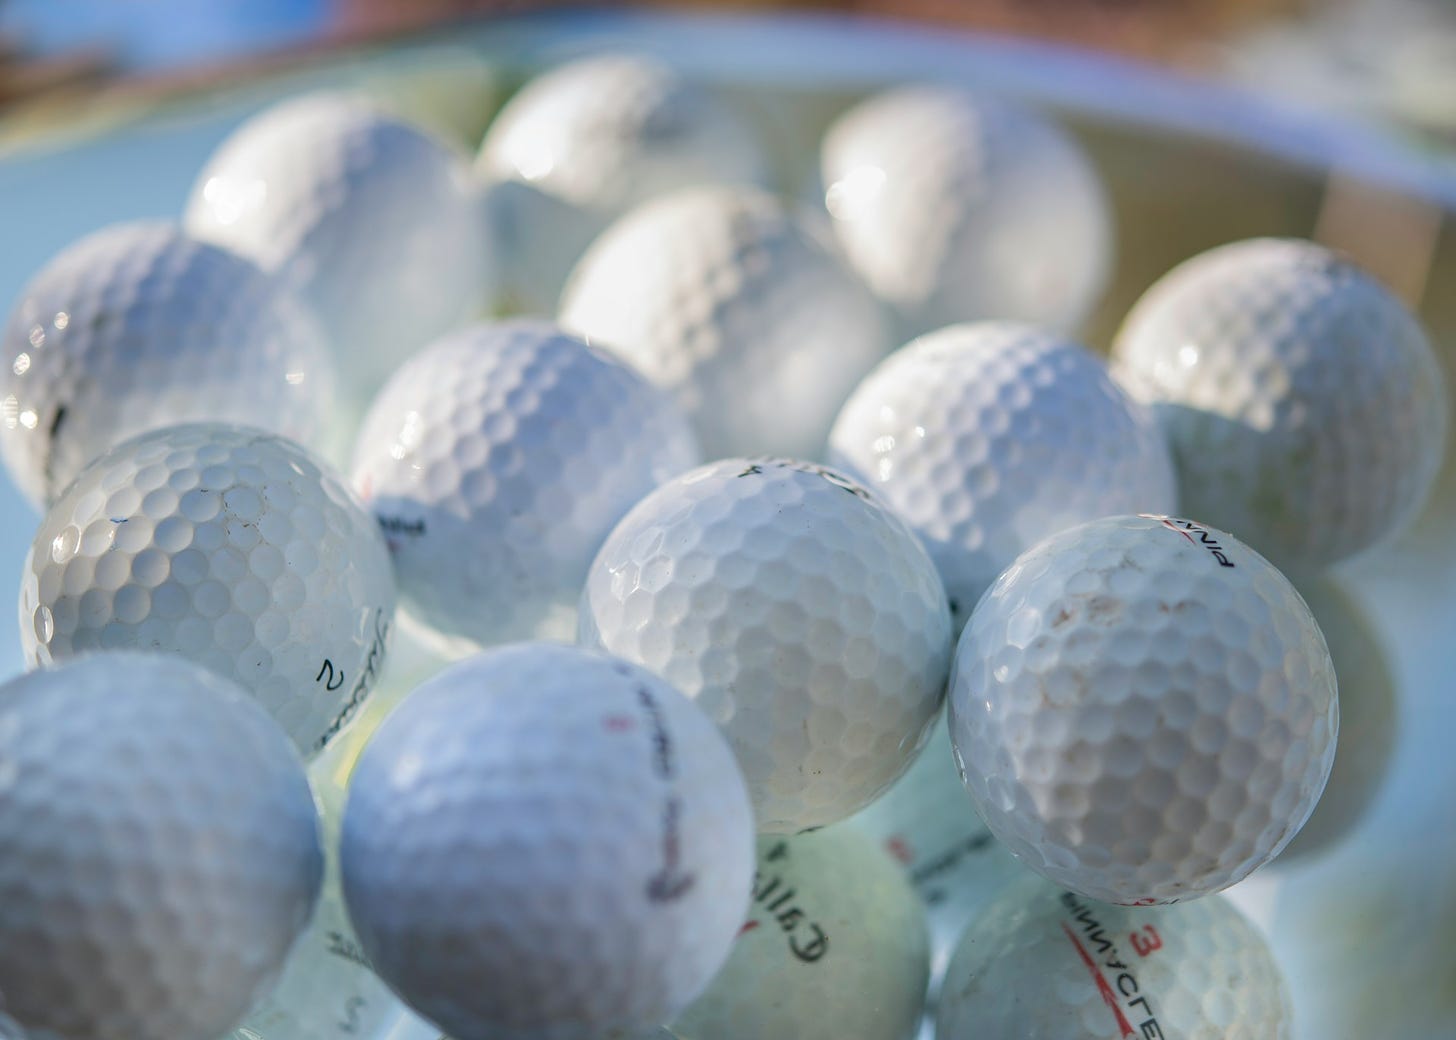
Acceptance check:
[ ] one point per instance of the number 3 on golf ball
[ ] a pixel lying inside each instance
(1143, 709)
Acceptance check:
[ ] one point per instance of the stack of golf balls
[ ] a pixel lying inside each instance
(769, 662)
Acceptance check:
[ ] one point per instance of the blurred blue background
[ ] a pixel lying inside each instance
(154, 34)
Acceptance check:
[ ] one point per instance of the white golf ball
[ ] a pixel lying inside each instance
(1143, 709)
(835, 946)
(583, 143)
(1305, 408)
(960, 207)
(161, 850)
(609, 131)
(374, 222)
(802, 615)
(138, 326)
(927, 822)
(546, 842)
(497, 462)
(229, 546)
(1044, 964)
(730, 302)
(988, 438)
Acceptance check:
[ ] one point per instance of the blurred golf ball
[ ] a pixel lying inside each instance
(730, 302)
(543, 841)
(497, 462)
(1044, 964)
(988, 438)
(374, 222)
(959, 207)
(161, 850)
(834, 946)
(138, 326)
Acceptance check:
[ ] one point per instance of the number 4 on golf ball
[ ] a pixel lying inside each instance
(1143, 709)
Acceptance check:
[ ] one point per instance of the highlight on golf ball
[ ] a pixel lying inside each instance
(757, 679)
(800, 613)
(1143, 709)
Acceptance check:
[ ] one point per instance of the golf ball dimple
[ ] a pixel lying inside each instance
(723, 297)
(834, 946)
(375, 224)
(1143, 709)
(138, 326)
(497, 462)
(229, 546)
(546, 842)
(960, 207)
(583, 143)
(1045, 964)
(802, 615)
(162, 850)
(1305, 408)
(988, 438)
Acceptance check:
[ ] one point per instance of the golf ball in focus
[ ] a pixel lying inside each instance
(229, 546)
(1143, 709)
(798, 611)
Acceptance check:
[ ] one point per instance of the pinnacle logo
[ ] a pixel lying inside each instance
(1113, 972)
(1197, 534)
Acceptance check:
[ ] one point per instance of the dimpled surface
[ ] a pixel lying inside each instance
(835, 946)
(956, 207)
(581, 144)
(229, 546)
(927, 822)
(161, 850)
(1043, 964)
(138, 326)
(988, 438)
(374, 222)
(1304, 406)
(728, 301)
(1143, 709)
(546, 842)
(497, 462)
(802, 615)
